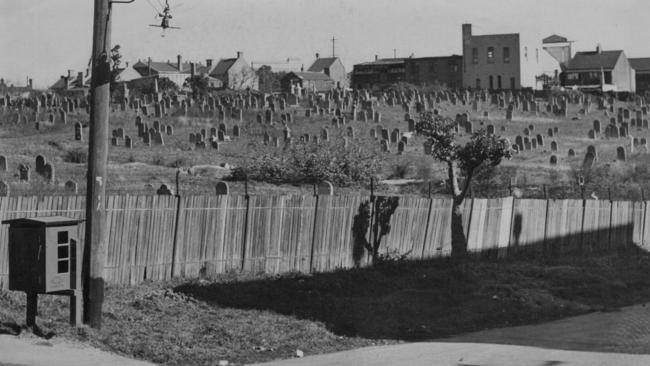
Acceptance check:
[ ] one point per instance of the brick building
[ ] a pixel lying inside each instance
(378, 73)
(446, 70)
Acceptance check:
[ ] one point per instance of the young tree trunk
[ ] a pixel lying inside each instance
(458, 239)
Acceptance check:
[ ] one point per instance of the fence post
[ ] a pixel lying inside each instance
(426, 228)
(248, 208)
(313, 233)
(176, 221)
(372, 211)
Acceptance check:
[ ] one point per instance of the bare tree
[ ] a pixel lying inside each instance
(462, 162)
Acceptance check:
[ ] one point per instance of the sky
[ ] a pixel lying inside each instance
(42, 39)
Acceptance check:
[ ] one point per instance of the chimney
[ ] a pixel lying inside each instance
(69, 74)
(599, 49)
(376, 57)
(240, 54)
(66, 82)
(179, 63)
(208, 63)
(317, 55)
(80, 79)
(302, 68)
(149, 66)
(467, 31)
(31, 84)
(192, 69)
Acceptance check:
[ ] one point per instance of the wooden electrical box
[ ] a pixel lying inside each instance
(44, 254)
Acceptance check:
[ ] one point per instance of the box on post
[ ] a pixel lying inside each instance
(45, 258)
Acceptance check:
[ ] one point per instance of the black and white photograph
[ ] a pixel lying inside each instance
(324, 183)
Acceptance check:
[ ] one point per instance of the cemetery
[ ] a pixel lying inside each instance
(44, 139)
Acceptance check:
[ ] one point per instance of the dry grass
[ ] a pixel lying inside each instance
(244, 318)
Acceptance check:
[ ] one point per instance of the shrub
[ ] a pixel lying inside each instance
(311, 163)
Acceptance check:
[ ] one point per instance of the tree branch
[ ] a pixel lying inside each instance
(468, 181)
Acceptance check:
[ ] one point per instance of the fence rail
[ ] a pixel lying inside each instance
(159, 237)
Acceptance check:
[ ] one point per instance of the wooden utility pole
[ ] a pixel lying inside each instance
(96, 235)
(334, 47)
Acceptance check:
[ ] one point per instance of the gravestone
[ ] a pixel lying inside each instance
(325, 188)
(128, 143)
(40, 164)
(550, 132)
(235, 131)
(3, 163)
(400, 147)
(71, 186)
(553, 160)
(620, 153)
(169, 130)
(596, 126)
(78, 131)
(540, 140)
(164, 190)
(591, 134)
(553, 145)
(572, 153)
(428, 147)
(48, 172)
(384, 146)
(592, 149)
(4, 189)
(222, 188)
(24, 172)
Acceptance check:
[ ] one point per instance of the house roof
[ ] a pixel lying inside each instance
(164, 67)
(383, 61)
(640, 64)
(310, 75)
(555, 39)
(594, 60)
(321, 63)
(223, 66)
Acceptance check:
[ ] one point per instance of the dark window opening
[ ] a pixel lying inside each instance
(512, 83)
(62, 267)
(506, 55)
(499, 82)
(478, 83)
(474, 55)
(491, 82)
(62, 237)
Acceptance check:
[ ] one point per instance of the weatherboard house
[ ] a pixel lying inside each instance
(316, 82)
(234, 73)
(600, 70)
(177, 72)
(332, 67)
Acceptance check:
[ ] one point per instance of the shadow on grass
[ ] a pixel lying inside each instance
(421, 300)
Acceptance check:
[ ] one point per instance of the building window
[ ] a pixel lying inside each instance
(498, 81)
(455, 68)
(474, 55)
(478, 83)
(608, 77)
(491, 82)
(490, 55)
(512, 83)
(432, 67)
(506, 55)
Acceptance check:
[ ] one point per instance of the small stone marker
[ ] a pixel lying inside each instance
(4, 189)
(71, 186)
(40, 164)
(3, 163)
(164, 190)
(553, 160)
(620, 154)
(48, 172)
(24, 172)
(325, 188)
(222, 188)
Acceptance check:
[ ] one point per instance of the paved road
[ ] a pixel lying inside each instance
(583, 340)
(21, 351)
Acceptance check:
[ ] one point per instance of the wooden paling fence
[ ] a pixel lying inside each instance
(159, 237)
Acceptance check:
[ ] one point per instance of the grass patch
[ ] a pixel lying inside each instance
(243, 318)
